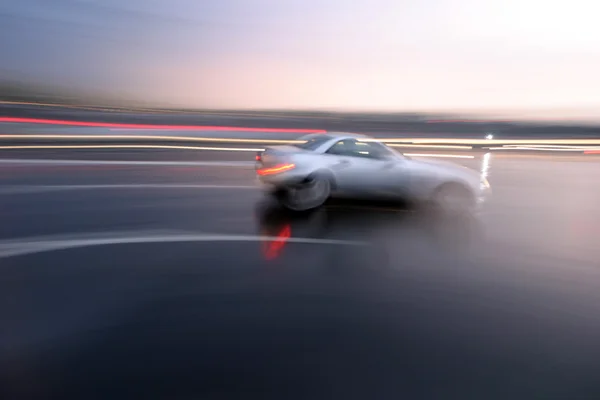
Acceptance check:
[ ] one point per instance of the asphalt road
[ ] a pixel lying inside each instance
(153, 280)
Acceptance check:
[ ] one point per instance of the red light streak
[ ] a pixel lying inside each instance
(274, 248)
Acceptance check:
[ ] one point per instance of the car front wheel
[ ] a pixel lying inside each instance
(454, 198)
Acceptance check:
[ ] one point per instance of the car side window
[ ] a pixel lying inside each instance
(368, 150)
(341, 148)
(378, 150)
(354, 148)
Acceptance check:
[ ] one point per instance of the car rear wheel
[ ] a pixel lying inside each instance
(311, 193)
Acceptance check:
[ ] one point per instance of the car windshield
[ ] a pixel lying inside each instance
(312, 142)
(383, 149)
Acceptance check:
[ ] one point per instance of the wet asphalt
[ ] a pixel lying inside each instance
(187, 281)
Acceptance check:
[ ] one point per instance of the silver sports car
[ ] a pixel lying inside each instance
(304, 175)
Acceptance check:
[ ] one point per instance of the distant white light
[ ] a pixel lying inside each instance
(489, 137)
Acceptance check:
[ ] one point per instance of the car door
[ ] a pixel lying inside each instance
(358, 167)
(342, 165)
(390, 175)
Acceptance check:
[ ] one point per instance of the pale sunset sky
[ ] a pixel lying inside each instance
(398, 55)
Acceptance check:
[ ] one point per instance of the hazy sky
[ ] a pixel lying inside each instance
(373, 54)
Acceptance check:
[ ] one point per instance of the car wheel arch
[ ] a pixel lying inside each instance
(324, 173)
(453, 186)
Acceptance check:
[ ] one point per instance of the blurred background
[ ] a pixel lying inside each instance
(139, 257)
(522, 60)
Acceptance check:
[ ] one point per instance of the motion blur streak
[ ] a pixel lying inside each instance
(42, 161)
(129, 146)
(502, 141)
(552, 146)
(146, 126)
(529, 148)
(437, 155)
(539, 145)
(429, 146)
(149, 137)
(544, 147)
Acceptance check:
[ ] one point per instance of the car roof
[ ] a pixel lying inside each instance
(342, 135)
(326, 139)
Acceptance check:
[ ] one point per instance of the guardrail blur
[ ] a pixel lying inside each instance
(74, 141)
(388, 125)
(25, 132)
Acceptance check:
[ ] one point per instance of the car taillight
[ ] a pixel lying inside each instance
(258, 156)
(275, 170)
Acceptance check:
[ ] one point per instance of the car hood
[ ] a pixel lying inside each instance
(445, 167)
